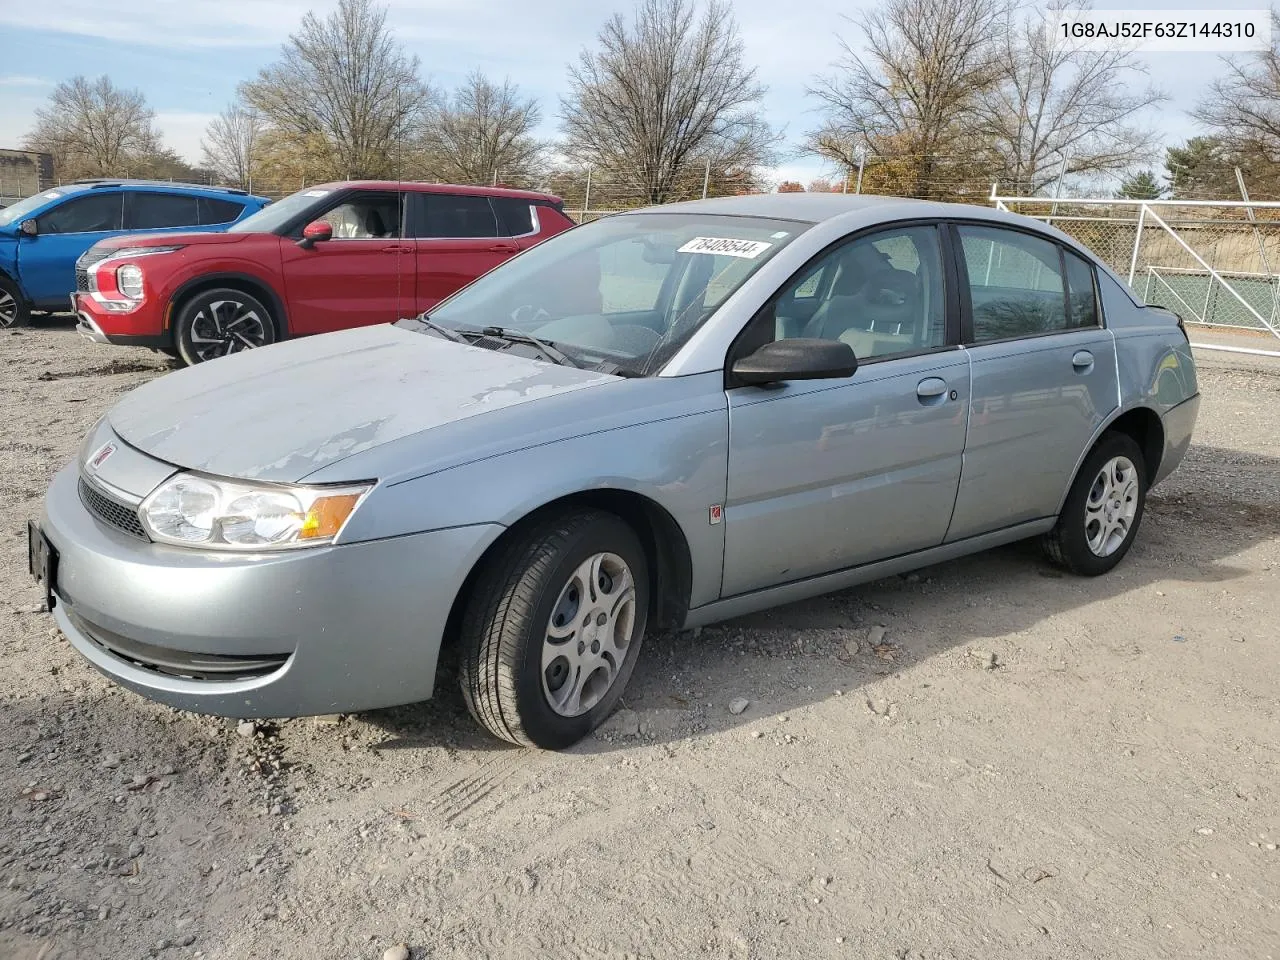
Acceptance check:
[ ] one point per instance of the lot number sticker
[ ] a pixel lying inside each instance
(725, 247)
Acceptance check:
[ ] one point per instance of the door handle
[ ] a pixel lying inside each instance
(397, 248)
(1082, 360)
(503, 248)
(931, 390)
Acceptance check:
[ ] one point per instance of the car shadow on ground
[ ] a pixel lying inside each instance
(783, 659)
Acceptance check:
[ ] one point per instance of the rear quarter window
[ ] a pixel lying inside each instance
(515, 217)
(218, 211)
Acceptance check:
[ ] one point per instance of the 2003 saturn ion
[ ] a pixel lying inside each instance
(663, 418)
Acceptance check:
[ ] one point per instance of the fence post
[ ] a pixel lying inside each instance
(1137, 242)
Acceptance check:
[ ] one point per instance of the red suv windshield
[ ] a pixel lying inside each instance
(274, 217)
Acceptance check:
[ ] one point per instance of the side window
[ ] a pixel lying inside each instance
(94, 213)
(371, 216)
(882, 294)
(454, 217)
(155, 211)
(1015, 283)
(515, 217)
(1081, 294)
(218, 211)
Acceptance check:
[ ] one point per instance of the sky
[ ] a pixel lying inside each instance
(187, 56)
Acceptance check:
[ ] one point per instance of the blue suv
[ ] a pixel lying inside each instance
(42, 236)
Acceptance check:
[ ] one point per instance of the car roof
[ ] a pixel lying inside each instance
(419, 186)
(177, 186)
(805, 207)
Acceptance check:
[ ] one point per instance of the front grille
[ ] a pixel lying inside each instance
(208, 667)
(87, 260)
(112, 512)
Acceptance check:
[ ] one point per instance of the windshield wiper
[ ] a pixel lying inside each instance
(444, 331)
(513, 336)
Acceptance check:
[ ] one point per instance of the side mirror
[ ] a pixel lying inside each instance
(314, 233)
(29, 228)
(801, 358)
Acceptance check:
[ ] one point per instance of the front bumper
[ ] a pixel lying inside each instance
(325, 630)
(141, 328)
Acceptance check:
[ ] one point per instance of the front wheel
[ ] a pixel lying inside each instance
(552, 629)
(14, 311)
(217, 323)
(1103, 510)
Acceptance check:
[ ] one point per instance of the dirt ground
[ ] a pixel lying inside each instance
(1026, 765)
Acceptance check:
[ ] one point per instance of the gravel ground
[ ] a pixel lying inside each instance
(987, 759)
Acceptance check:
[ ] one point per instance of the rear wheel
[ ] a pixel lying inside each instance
(14, 311)
(216, 323)
(553, 627)
(1103, 510)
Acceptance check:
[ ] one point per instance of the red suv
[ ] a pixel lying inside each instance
(328, 257)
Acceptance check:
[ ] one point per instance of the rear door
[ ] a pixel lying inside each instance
(1044, 375)
(355, 278)
(457, 237)
(154, 211)
(47, 261)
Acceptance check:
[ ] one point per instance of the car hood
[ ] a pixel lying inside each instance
(170, 238)
(282, 412)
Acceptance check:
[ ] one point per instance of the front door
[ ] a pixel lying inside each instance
(47, 261)
(457, 238)
(354, 278)
(830, 474)
(1044, 376)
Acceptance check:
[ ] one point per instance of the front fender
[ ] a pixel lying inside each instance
(680, 464)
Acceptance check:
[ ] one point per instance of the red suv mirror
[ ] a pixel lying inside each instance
(314, 232)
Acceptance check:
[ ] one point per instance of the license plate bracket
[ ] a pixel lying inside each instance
(42, 561)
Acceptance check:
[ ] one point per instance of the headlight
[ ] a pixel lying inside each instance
(129, 281)
(229, 515)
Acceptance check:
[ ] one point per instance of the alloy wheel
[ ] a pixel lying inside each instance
(223, 327)
(589, 635)
(1111, 506)
(9, 309)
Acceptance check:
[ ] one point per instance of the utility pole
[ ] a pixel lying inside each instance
(706, 179)
(586, 199)
(862, 162)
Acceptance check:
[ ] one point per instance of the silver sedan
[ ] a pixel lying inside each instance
(661, 419)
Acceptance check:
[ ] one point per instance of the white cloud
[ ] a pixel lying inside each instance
(18, 80)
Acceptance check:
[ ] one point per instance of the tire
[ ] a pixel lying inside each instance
(14, 310)
(535, 586)
(1103, 510)
(215, 323)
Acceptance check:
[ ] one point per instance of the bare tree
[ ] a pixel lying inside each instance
(94, 128)
(485, 132)
(663, 95)
(908, 96)
(1242, 111)
(345, 82)
(1057, 107)
(232, 145)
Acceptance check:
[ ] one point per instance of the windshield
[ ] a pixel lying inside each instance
(627, 290)
(23, 208)
(273, 217)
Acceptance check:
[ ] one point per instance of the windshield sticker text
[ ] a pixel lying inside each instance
(725, 247)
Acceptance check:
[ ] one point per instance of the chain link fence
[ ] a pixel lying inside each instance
(1214, 263)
